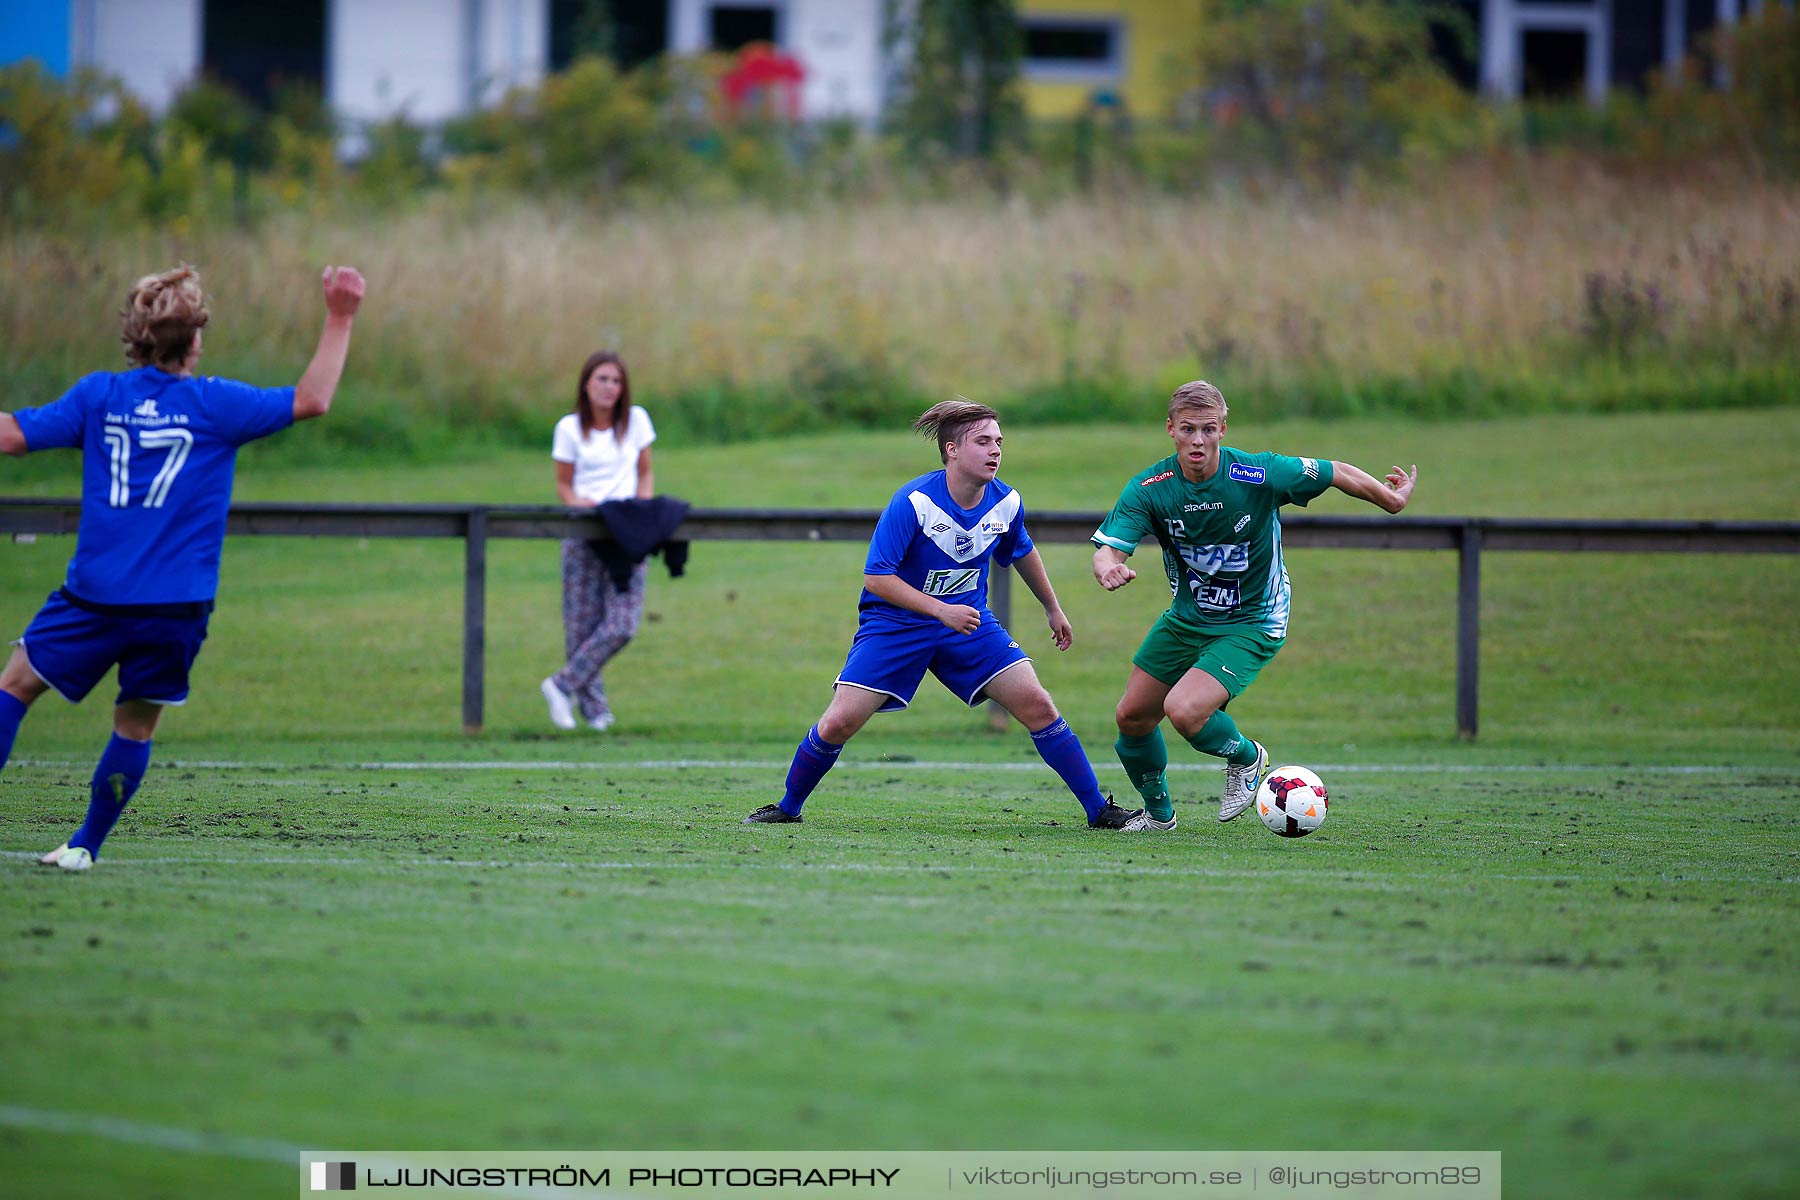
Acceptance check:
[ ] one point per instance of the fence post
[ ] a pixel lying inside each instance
(1000, 604)
(474, 618)
(1468, 629)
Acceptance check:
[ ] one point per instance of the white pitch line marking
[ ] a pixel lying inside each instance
(710, 764)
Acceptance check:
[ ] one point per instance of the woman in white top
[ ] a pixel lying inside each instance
(602, 452)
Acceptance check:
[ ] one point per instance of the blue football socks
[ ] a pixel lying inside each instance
(116, 779)
(1057, 745)
(12, 712)
(812, 758)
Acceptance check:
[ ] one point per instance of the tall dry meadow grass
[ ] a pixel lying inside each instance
(483, 315)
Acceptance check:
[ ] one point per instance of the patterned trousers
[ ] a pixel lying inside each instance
(598, 621)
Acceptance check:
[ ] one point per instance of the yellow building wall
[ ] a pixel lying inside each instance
(1161, 40)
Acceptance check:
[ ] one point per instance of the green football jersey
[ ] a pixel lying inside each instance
(1221, 540)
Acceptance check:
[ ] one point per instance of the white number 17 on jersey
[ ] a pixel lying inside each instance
(118, 447)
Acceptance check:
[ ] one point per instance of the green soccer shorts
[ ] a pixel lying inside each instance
(1232, 656)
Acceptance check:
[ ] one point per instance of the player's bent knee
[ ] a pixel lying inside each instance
(1135, 721)
(1036, 712)
(838, 728)
(1190, 717)
(136, 720)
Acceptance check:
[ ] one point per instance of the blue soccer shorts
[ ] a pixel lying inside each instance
(892, 656)
(72, 645)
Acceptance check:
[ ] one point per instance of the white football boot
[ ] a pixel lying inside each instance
(1241, 784)
(69, 858)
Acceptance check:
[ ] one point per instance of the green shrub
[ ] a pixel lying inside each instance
(71, 152)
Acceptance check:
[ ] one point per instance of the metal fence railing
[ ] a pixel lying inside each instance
(476, 524)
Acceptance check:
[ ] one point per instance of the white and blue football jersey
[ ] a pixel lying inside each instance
(942, 549)
(158, 452)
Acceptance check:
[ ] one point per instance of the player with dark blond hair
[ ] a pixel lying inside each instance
(924, 608)
(1214, 511)
(158, 447)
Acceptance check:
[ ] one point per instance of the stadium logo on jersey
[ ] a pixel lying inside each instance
(1157, 478)
(1243, 473)
(146, 409)
(1311, 467)
(1243, 520)
(1209, 506)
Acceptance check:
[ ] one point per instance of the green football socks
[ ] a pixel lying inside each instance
(1220, 738)
(1145, 759)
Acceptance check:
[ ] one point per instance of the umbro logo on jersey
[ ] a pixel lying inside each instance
(940, 527)
(146, 409)
(1243, 473)
(1157, 478)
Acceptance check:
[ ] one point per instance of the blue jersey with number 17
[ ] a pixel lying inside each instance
(158, 451)
(929, 541)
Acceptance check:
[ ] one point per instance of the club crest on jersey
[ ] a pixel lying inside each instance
(964, 543)
(1244, 473)
(1157, 478)
(1243, 520)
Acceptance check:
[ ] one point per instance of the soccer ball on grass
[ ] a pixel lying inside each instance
(1291, 801)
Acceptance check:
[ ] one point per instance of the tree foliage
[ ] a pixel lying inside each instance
(1322, 87)
(959, 89)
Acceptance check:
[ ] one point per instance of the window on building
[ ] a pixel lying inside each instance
(627, 31)
(734, 26)
(1555, 62)
(1079, 48)
(256, 48)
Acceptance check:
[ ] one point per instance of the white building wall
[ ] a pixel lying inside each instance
(687, 26)
(396, 56)
(839, 43)
(431, 59)
(153, 45)
(512, 48)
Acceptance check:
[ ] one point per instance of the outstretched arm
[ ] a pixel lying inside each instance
(1389, 495)
(343, 296)
(12, 439)
(1031, 570)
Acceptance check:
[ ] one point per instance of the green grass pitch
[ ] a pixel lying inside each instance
(1576, 941)
(1566, 965)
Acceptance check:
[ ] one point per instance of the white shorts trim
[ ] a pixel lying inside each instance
(20, 643)
(905, 704)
